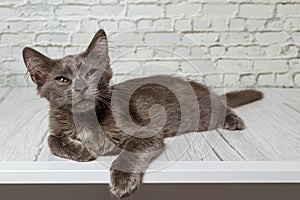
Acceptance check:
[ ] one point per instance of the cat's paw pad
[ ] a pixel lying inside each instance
(123, 184)
(233, 122)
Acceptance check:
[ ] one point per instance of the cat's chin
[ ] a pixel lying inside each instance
(83, 106)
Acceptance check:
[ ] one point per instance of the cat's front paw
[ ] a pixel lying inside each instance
(123, 184)
(85, 156)
(70, 149)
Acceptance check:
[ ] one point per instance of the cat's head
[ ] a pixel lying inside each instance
(75, 81)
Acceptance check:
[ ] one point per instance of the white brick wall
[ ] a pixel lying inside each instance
(226, 43)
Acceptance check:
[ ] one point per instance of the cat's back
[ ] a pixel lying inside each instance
(175, 95)
(159, 83)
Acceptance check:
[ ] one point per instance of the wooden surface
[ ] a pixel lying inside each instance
(272, 134)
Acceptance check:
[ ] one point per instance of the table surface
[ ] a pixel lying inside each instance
(271, 141)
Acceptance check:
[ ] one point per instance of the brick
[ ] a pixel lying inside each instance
(83, 2)
(35, 25)
(14, 66)
(126, 67)
(52, 38)
(143, 1)
(64, 26)
(55, 2)
(122, 78)
(125, 49)
(294, 64)
(247, 79)
(266, 80)
(55, 52)
(237, 51)
(233, 66)
(182, 9)
(17, 80)
(201, 23)
(255, 51)
(143, 53)
(2, 26)
(163, 52)
(217, 51)
(231, 80)
(106, 10)
(125, 25)
(81, 38)
(162, 23)
(20, 38)
(71, 50)
(161, 38)
(126, 39)
(144, 23)
(109, 25)
(219, 10)
(109, 2)
(297, 79)
(255, 24)
(289, 50)
(6, 13)
(275, 24)
(237, 24)
(16, 26)
(214, 80)
(235, 38)
(256, 11)
(273, 50)
(296, 37)
(160, 67)
(182, 51)
(270, 65)
(219, 24)
(284, 80)
(3, 80)
(88, 25)
(288, 10)
(198, 67)
(4, 52)
(271, 37)
(36, 1)
(200, 51)
(292, 24)
(35, 10)
(71, 10)
(183, 25)
(200, 38)
(144, 10)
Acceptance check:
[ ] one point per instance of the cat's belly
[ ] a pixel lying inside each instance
(96, 142)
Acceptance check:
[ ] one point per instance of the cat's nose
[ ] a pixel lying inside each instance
(80, 86)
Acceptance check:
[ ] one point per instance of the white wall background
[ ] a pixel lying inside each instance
(231, 42)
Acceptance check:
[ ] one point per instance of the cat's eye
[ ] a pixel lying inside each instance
(62, 79)
(91, 72)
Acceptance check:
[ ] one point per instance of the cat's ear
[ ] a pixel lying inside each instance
(98, 47)
(37, 65)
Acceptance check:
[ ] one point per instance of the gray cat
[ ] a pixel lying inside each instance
(90, 118)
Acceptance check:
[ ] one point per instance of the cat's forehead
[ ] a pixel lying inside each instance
(73, 62)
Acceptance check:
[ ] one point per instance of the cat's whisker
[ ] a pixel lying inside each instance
(110, 106)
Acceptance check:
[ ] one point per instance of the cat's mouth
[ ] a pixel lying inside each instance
(83, 105)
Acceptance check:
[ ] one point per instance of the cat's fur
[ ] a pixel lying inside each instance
(89, 118)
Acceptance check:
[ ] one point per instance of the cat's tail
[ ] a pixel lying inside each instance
(239, 98)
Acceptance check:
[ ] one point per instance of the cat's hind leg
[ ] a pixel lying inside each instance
(233, 122)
